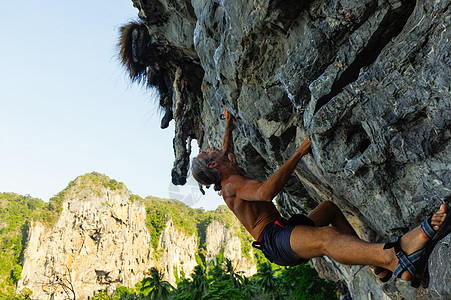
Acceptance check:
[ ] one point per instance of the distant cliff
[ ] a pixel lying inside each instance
(368, 82)
(102, 236)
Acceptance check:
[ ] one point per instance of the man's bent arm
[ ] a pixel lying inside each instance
(252, 190)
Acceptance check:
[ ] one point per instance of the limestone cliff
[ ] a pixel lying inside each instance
(367, 81)
(219, 239)
(101, 239)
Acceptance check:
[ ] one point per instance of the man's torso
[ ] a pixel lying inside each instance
(254, 215)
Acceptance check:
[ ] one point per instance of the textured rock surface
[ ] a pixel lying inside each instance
(101, 240)
(220, 238)
(439, 270)
(178, 252)
(368, 82)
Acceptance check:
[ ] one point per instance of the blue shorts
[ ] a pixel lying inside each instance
(275, 241)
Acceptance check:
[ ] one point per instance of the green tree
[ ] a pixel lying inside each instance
(183, 291)
(266, 279)
(248, 288)
(194, 288)
(304, 283)
(16, 273)
(103, 295)
(234, 276)
(215, 272)
(199, 282)
(26, 293)
(222, 290)
(155, 287)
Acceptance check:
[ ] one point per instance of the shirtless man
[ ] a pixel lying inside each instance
(325, 231)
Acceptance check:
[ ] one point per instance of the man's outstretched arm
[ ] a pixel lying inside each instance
(227, 142)
(274, 184)
(252, 190)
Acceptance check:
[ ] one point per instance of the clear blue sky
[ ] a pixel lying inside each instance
(68, 108)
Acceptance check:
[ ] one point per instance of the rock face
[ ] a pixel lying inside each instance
(101, 240)
(178, 252)
(367, 81)
(219, 239)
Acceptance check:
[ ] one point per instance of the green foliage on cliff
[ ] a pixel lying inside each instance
(97, 179)
(84, 186)
(16, 273)
(16, 212)
(191, 221)
(160, 211)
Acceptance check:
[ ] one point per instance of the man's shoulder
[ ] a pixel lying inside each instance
(235, 180)
(235, 177)
(241, 186)
(231, 184)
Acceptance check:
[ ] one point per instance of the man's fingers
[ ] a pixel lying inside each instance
(306, 143)
(226, 114)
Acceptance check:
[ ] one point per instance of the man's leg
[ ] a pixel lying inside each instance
(309, 242)
(327, 213)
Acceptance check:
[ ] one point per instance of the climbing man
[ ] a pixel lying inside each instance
(325, 231)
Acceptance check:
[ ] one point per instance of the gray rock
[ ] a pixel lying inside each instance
(439, 270)
(368, 81)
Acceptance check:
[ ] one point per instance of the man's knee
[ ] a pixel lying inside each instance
(329, 205)
(325, 237)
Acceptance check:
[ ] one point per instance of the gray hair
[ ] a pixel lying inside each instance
(205, 175)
